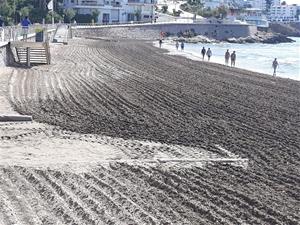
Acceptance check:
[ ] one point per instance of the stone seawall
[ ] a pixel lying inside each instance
(3, 55)
(152, 31)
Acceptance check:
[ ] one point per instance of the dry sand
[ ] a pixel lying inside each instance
(107, 112)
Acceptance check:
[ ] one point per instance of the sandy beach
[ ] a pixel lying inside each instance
(124, 133)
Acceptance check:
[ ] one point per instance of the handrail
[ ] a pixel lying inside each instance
(173, 20)
(1, 34)
(14, 33)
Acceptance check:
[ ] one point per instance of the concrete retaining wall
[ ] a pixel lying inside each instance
(152, 31)
(6, 54)
(3, 57)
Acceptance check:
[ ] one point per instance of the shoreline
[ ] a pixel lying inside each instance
(169, 45)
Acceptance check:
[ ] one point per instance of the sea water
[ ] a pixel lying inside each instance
(256, 57)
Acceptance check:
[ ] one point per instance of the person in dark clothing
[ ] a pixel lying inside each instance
(25, 27)
(275, 65)
(182, 46)
(203, 51)
(233, 58)
(160, 43)
(209, 54)
(227, 56)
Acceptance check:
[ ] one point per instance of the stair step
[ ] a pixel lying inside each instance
(38, 54)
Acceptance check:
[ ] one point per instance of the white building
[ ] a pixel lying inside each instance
(255, 17)
(213, 4)
(275, 2)
(284, 13)
(258, 4)
(115, 11)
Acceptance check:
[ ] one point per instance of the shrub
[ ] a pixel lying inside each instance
(164, 9)
(83, 18)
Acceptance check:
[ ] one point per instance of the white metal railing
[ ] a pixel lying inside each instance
(103, 24)
(14, 33)
(1, 34)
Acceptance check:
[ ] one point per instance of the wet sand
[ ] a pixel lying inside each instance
(117, 107)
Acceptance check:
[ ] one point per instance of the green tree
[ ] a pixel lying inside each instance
(221, 12)
(195, 2)
(25, 11)
(138, 14)
(176, 13)
(95, 14)
(6, 11)
(57, 17)
(69, 15)
(164, 9)
(13, 10)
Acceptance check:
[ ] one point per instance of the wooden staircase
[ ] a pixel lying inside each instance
(32, 52)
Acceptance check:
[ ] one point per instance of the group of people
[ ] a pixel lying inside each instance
(228, 55)
(176, 45)
(181, 45)
(208, 53)
(231, 56)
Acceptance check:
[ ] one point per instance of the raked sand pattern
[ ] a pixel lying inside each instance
(125, 134)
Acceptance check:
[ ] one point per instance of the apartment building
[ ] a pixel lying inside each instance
(275, 2)
(258, 4)
(283, 13)
(212, 4)
(115, 11)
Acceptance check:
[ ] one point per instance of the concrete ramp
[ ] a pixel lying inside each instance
(61, 34)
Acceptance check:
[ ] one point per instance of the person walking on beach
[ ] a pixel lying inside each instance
(227, 56)
(160, 43)
(274, 65)
(25, 27)
(209, 54)
(177, 45)
(182, 46)
(203, 51)
(233, 58)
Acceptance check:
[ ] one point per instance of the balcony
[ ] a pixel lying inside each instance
(141, 1)
(95, 4)
(115, 4)
(90, 3)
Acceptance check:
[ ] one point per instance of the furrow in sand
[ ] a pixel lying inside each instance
(176, 193)
(86, 95)
(15, 204)
(89, 94)
(147, 203)
(123, 201)
(37, 208)
(161, 191)
(94, 199)
(262, 212)
(55, 201)
(82, 214)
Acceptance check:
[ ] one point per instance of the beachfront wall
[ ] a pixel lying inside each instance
(2, 56)
(6, 55)
(153, 31)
